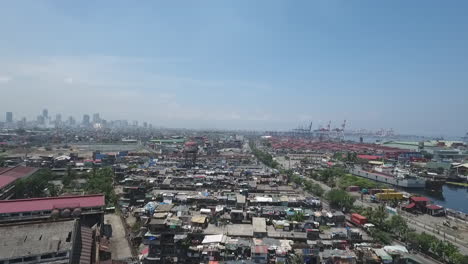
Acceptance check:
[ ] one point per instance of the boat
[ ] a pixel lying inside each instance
(434, 181)
(391, 175)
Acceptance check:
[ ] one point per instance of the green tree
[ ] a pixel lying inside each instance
(340, 199)
(101, 181)
(397, 224)
(438, 247)
(295, 259)
(298, 216)
(425, 241)
(381, 236)
(458, 258)
(379, 215)
(451, 252)
(317, 190)
(351, 157)
(33, 186)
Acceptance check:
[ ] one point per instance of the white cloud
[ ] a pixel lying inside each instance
(118, 88)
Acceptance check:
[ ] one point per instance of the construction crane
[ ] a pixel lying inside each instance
(303, 131)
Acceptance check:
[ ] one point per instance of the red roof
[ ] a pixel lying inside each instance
(433, 207)
(419, 199)
(260, 250)
(369, 157)
(9, 175)
(50, 203)
(411, 205)
(358, 216)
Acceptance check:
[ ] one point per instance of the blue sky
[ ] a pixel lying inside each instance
(240, 64)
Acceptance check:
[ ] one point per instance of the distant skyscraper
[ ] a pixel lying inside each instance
(58, 119)
(40, 120)
(71, 121)
(96, 118)
(22, 123)
(145, 125)
(86, 120)
(45, 113)
(135, 123)
(9, 117)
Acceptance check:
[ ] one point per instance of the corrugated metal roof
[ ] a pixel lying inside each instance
(9, 175)
(43, 204)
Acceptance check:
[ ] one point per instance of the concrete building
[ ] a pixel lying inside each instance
(58, 119)
(9, 117)
(46, 242)
(88, 208)
(259, 227)
(86, 120)
(8, 177)
(96, 118)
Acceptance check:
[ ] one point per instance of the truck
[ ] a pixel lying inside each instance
(358, 219)
(389, 196)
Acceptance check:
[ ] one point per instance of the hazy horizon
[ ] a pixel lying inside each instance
(263, 65)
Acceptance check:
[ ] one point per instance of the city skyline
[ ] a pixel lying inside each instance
(267, 66)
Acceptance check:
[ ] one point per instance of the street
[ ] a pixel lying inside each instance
(119, 245)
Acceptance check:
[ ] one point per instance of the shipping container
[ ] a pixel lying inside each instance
(358, 219)
(374, 191)
(353, 189)
(389, 196)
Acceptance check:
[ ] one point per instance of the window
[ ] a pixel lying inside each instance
(36, 213)
(47, 256)
(16, 260)
(14, 215)
(28, 259)
(46, 212)
(61, 254)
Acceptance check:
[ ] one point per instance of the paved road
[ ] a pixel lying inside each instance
(422, 227)
(119, 245)
(419, 257)
(419, 227)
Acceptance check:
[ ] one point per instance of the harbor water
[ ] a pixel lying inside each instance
(451, 196)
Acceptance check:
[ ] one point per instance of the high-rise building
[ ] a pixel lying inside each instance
(86, 120)
(40, 120)
(45, 113)
(96, 118)
(71, 121)
(58, 119)
(9, 117)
